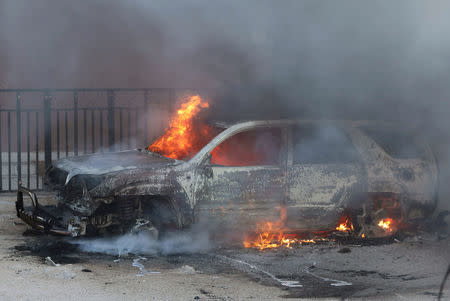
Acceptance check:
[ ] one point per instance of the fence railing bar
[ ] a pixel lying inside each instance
(28, 150)
(75, 123)
(101, 131)
(47, 130)
(91, 108)
(92, 132)
(146, 112)
(58, 152)
(129, 129)
(96, 90)
(120, 129)
(23, 110)
(71, 109)
(136, 127)
(110, 120)
(63, 110)
(9, 151)
(31, 110)
(1, 160)
(19, 137)
(84, 132)
(37, 150)
(66, 126)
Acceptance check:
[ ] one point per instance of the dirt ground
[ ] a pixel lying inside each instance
(411, 269)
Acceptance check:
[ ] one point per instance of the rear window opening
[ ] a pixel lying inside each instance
(396, 143)
(324, 144)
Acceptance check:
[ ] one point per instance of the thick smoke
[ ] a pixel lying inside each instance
(385, 60)
(192, 241)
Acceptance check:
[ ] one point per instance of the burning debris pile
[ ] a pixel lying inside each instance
(385, 224)
(274, 235)
(345, 224)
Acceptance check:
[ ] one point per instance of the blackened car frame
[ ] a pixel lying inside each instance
(317, 170)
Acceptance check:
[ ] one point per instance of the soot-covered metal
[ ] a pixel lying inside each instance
(315, 170)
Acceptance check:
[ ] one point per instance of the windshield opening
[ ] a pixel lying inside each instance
(186, 147)
(187, 133)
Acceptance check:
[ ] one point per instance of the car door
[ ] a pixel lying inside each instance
(324, 174)
(244, 180)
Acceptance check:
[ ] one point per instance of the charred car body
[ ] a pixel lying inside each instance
(317, 170)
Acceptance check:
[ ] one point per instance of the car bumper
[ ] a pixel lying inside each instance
(38, 217)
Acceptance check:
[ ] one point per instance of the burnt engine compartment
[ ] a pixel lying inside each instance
(133, 213)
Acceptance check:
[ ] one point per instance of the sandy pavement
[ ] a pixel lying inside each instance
(408, 270)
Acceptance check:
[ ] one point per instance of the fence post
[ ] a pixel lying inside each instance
(146, 101)
(75, 122)
(19, 139)
(47, 129)
(110, 96)
(1, 152)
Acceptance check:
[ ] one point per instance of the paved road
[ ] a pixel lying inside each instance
(191, 269)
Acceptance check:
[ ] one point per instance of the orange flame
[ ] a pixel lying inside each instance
(385, 224)
(187, 135)
(272, 235)
(183, 138)
(345, 224)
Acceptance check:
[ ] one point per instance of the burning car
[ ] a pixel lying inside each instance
(360, 178)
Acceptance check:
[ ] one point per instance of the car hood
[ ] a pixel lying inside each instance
(63, 170)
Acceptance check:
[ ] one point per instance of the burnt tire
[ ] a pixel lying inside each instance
(145, 227)
(162, 213)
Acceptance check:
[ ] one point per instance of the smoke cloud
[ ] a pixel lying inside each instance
(260, 59)
(194, 241)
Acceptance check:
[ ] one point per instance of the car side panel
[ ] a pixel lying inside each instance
(317, 193)
(416, 179)
(240, 195)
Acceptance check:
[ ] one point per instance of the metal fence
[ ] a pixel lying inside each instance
(41, 125)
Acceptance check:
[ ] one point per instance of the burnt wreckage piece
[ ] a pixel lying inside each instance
(317, 170)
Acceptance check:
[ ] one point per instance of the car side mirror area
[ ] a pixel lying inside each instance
(208, 171)
(206, 167)
(206, 160)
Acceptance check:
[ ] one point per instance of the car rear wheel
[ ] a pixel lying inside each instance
(383, 215)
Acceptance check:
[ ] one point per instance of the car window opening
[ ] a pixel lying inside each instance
(397, 143)
(322, 145)
(250, 148)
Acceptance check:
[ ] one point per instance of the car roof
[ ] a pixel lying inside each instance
(349, 123)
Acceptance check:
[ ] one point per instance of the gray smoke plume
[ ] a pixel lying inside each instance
(387, 60)
(142, 244)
